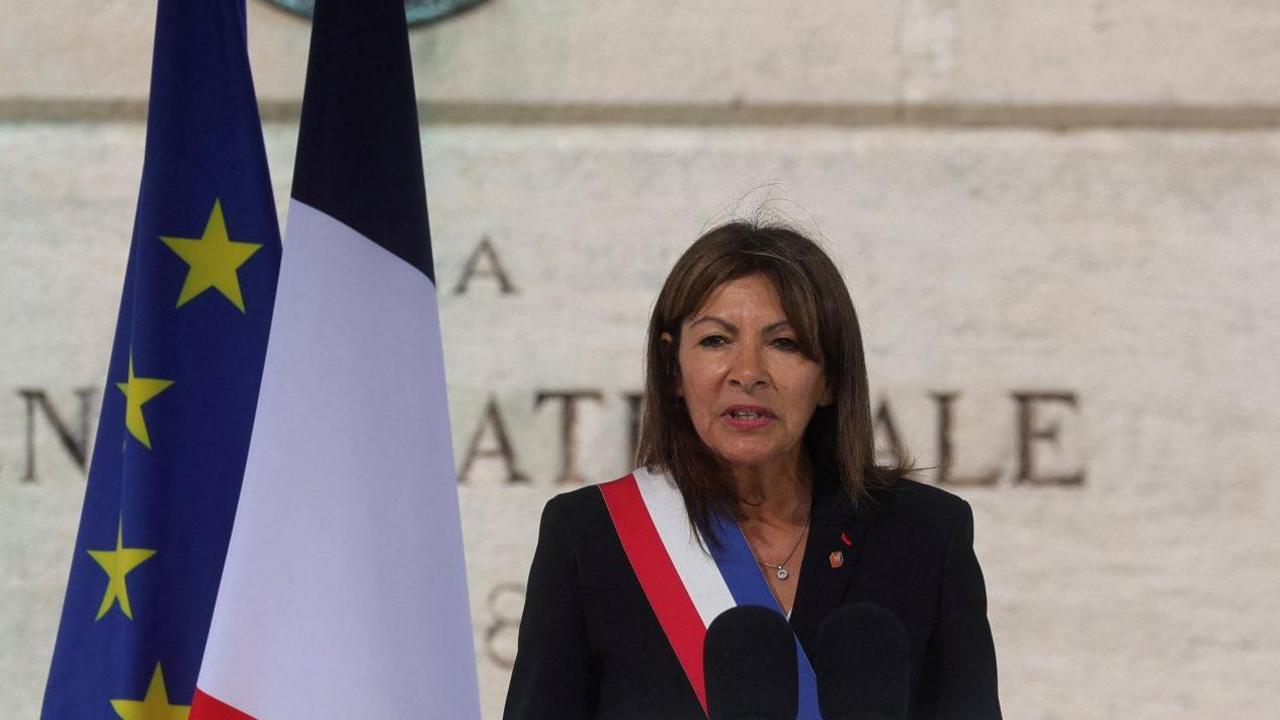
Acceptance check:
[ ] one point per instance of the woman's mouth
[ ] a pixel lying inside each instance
(745, 417)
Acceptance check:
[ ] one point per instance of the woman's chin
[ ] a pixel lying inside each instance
(751, 457)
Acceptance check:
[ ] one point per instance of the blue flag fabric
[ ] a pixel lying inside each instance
(182, 383)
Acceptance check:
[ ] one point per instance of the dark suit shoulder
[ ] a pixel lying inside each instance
(584, 503)
(915, 496)
(922, 507)
(579, 515)
(575, 503)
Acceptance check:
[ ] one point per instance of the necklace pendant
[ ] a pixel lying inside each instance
(782, 573)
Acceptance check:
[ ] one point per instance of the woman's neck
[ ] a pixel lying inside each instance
(778, 495)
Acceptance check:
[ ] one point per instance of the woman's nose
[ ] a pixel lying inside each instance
(747, 370)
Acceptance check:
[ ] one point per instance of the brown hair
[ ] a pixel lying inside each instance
(839, 439)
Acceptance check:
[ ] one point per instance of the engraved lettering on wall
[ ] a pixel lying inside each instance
(499, 448)
(506, 605)
(72, 435)
(1045, 436)
(568, 428)
(484, 263)
(1037, 432)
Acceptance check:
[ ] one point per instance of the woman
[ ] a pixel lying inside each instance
(756, 443)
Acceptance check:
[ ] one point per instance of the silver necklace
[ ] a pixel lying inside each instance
(780, 570)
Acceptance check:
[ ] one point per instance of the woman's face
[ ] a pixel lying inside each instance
(749, 390)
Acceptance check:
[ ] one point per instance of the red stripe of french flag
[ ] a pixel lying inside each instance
(214, 709)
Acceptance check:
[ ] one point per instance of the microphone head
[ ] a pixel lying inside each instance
(749, 660)
(862, 664)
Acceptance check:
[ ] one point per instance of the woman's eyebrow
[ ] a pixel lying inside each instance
(713, 319)
(781, 324)
(734, 328)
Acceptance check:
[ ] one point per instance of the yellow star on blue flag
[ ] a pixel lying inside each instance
(117, 564)
(214, 259)
(154, 705)
(137, 392)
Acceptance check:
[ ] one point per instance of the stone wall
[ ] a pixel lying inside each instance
(1059, 223)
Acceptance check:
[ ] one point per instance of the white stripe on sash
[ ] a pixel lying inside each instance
(694, 565)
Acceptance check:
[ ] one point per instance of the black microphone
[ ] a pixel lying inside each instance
(862, 665)
(749, 661)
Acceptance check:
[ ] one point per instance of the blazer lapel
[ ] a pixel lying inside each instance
(836, 532)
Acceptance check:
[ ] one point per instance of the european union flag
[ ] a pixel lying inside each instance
(182, 383)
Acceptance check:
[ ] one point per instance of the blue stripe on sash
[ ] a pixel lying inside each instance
(741, 573)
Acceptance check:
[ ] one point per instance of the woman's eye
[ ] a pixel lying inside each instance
(788, 344)
(713, 341)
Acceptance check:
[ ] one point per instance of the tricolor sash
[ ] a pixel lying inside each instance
(686, 587)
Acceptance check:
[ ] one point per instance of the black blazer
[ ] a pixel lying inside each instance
(591, 647)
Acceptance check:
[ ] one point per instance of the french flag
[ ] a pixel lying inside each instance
(344, 590)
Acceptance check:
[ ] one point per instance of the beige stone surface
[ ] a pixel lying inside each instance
(1162, 52)
(1135, 269)
(504, 51)
(718, 52)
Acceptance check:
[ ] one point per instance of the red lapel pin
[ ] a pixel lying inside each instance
(836, 559)
(844, 538)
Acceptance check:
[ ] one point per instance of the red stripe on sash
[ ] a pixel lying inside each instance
(208, 707)
(658, 578)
